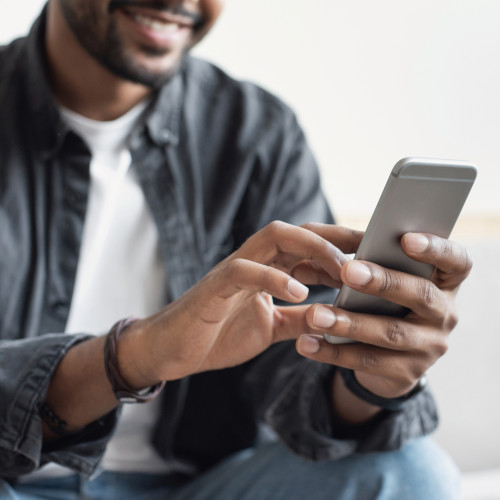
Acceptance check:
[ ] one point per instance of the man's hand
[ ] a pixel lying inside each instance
(393, 353)
(222, 321)
(229, 316)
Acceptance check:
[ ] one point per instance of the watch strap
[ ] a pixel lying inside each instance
(392, 404)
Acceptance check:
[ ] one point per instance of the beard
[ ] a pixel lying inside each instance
(109, 49)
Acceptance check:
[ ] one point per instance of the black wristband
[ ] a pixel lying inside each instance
(123, 392)
(54, 422)
(392, 404)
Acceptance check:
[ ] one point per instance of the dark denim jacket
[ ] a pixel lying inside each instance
(217, 160)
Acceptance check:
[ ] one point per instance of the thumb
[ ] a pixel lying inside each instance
(290, 322)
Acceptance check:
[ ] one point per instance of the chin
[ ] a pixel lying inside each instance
(151, 69)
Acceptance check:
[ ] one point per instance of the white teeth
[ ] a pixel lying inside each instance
(156, 24)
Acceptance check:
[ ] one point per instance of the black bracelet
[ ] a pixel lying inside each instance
(392, 404)
(55, 423)
(123, 392)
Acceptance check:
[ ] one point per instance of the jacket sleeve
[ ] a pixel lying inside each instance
(292, 393)
(26, 367)
(292, 396)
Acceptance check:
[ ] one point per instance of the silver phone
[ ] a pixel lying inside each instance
(421, 195)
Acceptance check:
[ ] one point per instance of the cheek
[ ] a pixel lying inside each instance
(211, 9)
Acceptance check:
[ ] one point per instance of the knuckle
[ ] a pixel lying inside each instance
(318, 246)
(334, 352)
(275, 227)
(467, 262)
(323, 246)
(452, 319)
(416, 372)
(459, 254)
(355, 234)
(368, 360)
(262, 277)
(405, 377)
(390, 282)
(310, 226)
(441, 347)
(234, 269)
(409, 371)
(350, 234)
(234, 266)
(395, 333)
(427, 293)
(448, 317)
(446, 249)
(352, 327)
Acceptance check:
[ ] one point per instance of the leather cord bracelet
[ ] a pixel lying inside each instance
(392, 404)
(123, 391)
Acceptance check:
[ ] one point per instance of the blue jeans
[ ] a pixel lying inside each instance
(420, 471)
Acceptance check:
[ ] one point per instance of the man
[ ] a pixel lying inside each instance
(180, 174)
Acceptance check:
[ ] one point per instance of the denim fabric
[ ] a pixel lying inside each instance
(419, 471)
(217, 160)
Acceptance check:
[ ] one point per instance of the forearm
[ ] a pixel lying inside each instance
(27, 367)
(80, 392)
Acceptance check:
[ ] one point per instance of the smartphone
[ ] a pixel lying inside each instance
(421, 195)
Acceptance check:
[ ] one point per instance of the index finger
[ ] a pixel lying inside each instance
(344, 238)
(283, 245)
(451, 260)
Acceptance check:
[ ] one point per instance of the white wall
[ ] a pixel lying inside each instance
(373, 81)
(376, 81)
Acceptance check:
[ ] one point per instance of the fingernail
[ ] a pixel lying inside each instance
(343, 258)
(416, 243)
(323, 317)
(308, 344)
(358, 274)
(298, 290)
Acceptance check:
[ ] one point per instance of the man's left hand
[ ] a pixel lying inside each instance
(393, 353)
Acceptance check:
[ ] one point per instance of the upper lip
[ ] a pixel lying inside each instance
(163, 16)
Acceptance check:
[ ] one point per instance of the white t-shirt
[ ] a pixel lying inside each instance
(120, 272)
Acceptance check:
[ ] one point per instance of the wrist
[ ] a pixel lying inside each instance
(133, 358)
(388, 403)
(380, 386)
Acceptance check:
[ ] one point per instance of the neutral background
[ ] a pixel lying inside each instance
(373, 82)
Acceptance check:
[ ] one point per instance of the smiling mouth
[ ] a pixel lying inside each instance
(156, 24)
(156, 16)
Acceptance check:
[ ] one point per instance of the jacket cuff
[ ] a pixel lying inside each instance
(33, 362)
(303, 418)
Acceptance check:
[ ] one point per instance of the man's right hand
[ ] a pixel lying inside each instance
(224, 320)
(229, 316)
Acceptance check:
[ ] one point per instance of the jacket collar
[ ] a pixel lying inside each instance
(162, 122)
(49, 128)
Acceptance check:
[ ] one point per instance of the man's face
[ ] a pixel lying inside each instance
(140, 40)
